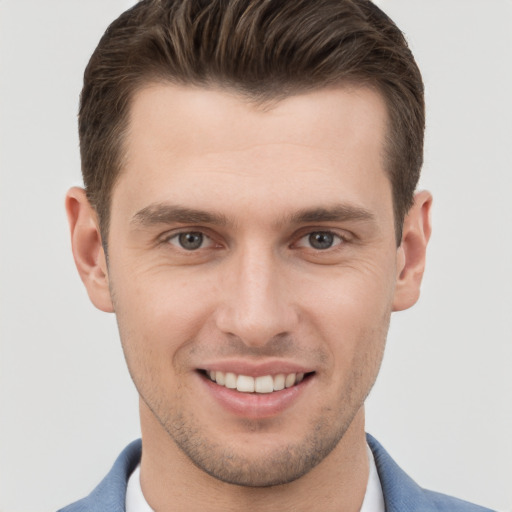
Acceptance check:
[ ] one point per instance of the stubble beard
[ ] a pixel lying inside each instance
(277, 467)
(277, 464)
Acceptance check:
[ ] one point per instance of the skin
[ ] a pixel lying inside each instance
(256, 292)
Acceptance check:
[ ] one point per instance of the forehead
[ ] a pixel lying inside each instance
(205, 144)
(198, 118)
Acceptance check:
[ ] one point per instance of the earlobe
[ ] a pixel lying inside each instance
(87, 248)
(412, 252)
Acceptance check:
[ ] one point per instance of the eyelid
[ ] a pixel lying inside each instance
(307, 244)
(168, 236)
(343, 237)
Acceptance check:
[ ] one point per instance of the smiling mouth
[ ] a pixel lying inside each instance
(262, 384)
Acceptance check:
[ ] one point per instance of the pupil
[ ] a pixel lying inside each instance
(191, 241)
(321, 240)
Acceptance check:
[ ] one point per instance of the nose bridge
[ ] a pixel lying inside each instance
(256, 305)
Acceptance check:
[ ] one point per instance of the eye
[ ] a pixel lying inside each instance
(320, 240)
(190, 240)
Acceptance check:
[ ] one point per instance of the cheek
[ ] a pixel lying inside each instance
(358, 294)
(351, 309)
(157, 317)
(161, 296)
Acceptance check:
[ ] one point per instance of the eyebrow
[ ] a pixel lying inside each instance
(162, 213)
(336, 213)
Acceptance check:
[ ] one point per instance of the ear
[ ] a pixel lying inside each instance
(412, 251)
(87, 248)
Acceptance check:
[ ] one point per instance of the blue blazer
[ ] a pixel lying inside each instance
(401, 493)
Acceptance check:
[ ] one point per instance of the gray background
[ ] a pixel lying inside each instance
(443, 403)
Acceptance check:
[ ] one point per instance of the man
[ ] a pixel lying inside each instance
(250, 215)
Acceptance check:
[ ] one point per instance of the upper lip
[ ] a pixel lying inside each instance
(256, 369)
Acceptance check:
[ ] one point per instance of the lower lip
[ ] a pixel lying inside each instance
(256, 405)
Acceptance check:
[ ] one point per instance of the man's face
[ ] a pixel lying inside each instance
(256, 243)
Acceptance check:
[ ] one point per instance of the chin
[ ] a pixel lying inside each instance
(256, 458)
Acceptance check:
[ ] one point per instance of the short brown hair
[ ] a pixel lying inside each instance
(263, 49)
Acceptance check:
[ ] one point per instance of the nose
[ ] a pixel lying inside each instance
(257, 299)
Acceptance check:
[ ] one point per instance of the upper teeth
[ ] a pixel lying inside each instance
(247, 384)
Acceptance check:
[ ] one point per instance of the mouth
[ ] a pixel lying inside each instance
(264, 384)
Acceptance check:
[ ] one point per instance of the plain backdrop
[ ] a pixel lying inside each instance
(442, 405)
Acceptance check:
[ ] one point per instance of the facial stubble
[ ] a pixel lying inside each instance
(276, 466)
(279, 465)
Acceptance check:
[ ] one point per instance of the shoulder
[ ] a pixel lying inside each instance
(446, 503)
(111, 492)
(403, 494)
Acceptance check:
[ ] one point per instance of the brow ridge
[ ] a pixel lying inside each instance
(335, 213)
(163, 213)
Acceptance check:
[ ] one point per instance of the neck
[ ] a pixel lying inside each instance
(171, 482)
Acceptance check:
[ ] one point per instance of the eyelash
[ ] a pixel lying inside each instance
(176, 236)
(338, 239)
(341, 240)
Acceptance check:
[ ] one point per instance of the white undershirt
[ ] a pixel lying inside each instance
(135, 501)
(373, 498)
